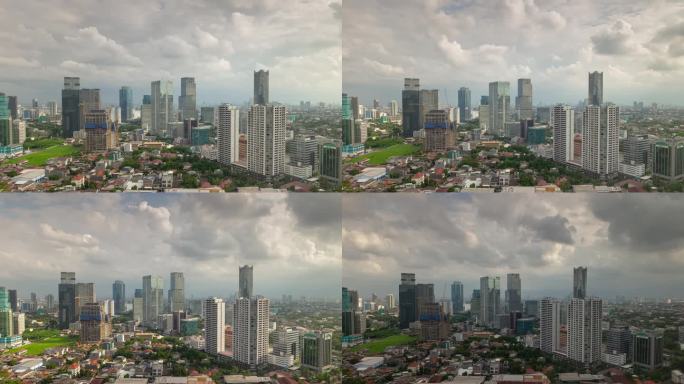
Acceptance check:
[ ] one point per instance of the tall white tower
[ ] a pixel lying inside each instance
(214, 325)
(228, 134)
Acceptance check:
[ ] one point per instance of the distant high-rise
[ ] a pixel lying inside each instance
(349, 303)
(162, 106)
(12, 294)
(187, 101)
(389, 301)
(457, 296)
(523, 102)
(394, 108)
(579, 282)
(101, 132)
(228, 132)
(513, 293)
(490, 300)
(6, 320)
(647, 349)
(563, 133)
(549, 325)
(146, 113)
(316, 351)
(266, 139)
(215, 324)
(177, 292)
(330, 162)
(126, 103)
(85, 293)
(89, 101)
(94, 324)
(668, 158)
(119, 296)
(410, 107)
(407, 300)
(475, 304)
(600, 140)
(153, 298)
(584, 330)
(261, 87)
(425, 294)
(464, 103)
(246, 281)
(250, 330)
(70, 106)
(67, 299)
(13, 107)
(438, 137)
(429, 101)
(595, 89)
(138, 306)
(499, 106)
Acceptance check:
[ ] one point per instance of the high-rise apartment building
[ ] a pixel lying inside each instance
(250, 330)
(162, 106)
(266, 126)
(600, 140)
(246, 281)
(89, 101)
(6, 319)
(513, 293)
(595, 96)
(316, 351)
(261, 91)
(95, 325)
(549, 325)
(187, 101)
(563, 133)
(176, 292)
(119, 296)
(438, 135)
(138, 306)
(228, 131)
(579, 282)
(214, 325)
(85, 293)
(101, 132)
(429, 101)
(490, 300)
(584, 330)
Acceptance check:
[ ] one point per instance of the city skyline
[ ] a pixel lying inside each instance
(447, 46)
(628, 244)
(106, 238)
(109, 48)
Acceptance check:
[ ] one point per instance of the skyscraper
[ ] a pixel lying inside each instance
(330, 162)
(70, 106)
(579, 282)
(187, 101)
(13, 107)
(246, 281)
(138, 306)
(177, 292)
(457, 296)
(67, 299)
(126, 103)
(261, 87)
(316, 350)
(595, 89)
(101, 132)
(153, 298)
(425, 294)
(162, 106)
(5, 122)
(600, 140)
(410, 107)
(438, 136)
(647, 349)
(429, 101)
(250, 330)
(407, 300)
(6, 319)
(94, 324)
(89, 101)
(228, 131)
(499, 106)
(464, 103)
(266, 139)
(119, 296)
(12, 294)
(563, 133)
(85, 293)
(215, 324)
(475, 304)
(513, 293)
(523, 102)
(584, 330)
(349, 300)
(490, 300)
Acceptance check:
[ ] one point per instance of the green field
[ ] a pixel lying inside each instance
(36, 348)
(40, 157)
(379, 345)
(380, 157)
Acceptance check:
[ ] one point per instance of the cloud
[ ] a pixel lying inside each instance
(68, 239)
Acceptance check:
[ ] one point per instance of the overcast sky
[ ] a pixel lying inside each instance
(114, 43)
(292, 240)
(632, 245)
(639, 45)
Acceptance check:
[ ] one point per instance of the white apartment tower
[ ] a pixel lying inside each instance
(250, 330)
(600, 140)
(563, 138)
(266, 125)
(549, 325)
(214, 325)
(584, 330)
(228, 134)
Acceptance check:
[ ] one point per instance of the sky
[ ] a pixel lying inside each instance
(293, 242)
(638, 45)
(113, 43)
(632, 245)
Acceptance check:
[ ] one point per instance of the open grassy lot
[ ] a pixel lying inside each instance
(39, 157)
(379, 345)
(44, 339)
(380, 156)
